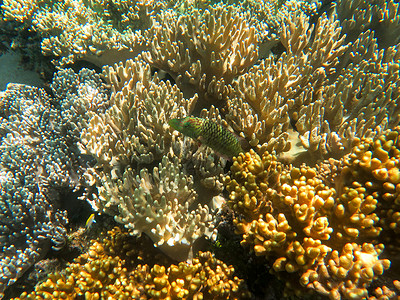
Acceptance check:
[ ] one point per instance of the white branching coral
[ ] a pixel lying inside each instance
(204, 49)
(135, 127)
(133, 134)
(160, 203)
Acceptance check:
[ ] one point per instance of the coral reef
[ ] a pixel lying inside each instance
(328, 106)
(77, 94)
(370, 179)
(198, 51)
(34, 163)
(310, 88)
(90, 30)
(377, 15)
(100, 274)
(331, 232)
(133, 133)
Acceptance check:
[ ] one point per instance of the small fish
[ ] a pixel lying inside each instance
(90, 221)
(208, 133)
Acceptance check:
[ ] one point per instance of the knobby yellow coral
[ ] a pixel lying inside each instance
(100, 274)
(330, 232)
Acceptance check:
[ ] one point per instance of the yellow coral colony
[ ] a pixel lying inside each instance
(330, 233)
(101, 274)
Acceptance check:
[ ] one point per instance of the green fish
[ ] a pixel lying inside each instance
(208, 133)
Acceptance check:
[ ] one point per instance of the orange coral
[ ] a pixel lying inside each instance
(374, 165)
(205, 278)
(324, 230)
(100, 274)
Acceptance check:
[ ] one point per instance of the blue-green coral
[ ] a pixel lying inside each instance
(34, 164)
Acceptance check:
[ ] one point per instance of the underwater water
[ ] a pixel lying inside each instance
(199, 149)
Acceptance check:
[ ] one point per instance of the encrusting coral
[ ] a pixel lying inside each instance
(344, 222)
(100, 274)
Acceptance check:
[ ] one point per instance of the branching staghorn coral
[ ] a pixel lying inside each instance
(100, 274)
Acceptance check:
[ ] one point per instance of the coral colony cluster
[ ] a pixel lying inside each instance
(311, 90)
